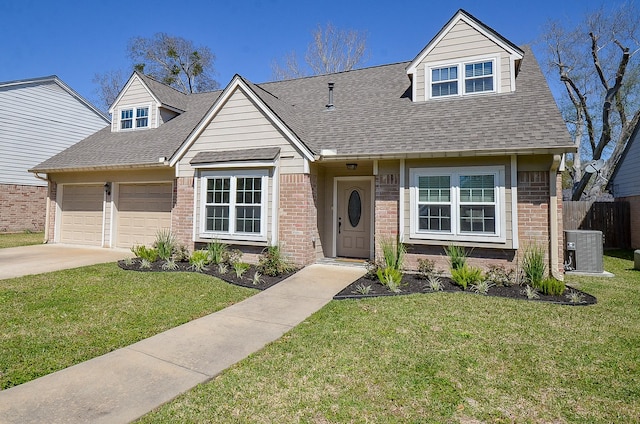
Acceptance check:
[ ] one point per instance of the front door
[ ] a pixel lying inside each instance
(353, 238)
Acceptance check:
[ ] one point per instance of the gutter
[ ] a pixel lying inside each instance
(553, 218)
(47, 206)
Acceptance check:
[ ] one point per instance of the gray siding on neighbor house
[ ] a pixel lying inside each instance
(38, 120)
(626, 181)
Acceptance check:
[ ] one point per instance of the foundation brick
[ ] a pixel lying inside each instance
(22, 208)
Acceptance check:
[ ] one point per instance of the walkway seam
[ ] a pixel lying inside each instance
(165, 361)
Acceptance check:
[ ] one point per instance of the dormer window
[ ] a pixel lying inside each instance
(465, 77)
(141, 118)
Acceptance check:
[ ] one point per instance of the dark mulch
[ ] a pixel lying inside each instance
(412, 283)
(246, 280)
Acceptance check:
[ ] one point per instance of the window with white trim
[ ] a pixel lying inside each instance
(466, 77)
(234, 204)
(457, 203)
(141, 118)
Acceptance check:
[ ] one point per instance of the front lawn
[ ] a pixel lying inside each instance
(51, 321)
(20, 239)
(441, 357)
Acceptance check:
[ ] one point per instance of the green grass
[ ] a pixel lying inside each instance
(20, 239)
(441, 357)
(51, 321)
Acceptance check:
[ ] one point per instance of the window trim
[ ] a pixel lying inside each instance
(232, 234)
(134, 116)
(460, 64)
(455, 234)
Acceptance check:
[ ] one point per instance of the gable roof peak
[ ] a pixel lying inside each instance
(463, 15)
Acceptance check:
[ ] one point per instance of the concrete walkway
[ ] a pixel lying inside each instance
(40, 258)
(123, 385)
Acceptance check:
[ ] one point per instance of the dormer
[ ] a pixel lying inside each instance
(143, 104)
(466, 58)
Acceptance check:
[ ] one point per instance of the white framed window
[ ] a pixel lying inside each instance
(127, 121)
(234, 204)
(469, 76)
(458, 204)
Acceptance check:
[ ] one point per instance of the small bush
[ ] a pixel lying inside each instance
(170, 265)
(390, 277)
(145, 264)
(165, 244)
(457, 256)
(533, 265)
(393, 253)
(551, 286)
(362, 289)
(498, 275)
(466, 276)
(434, 283)
(232, 256)
(128, 261)
(426, 268)
(372, 270)
(217, 251)
(223, 268)
(257, 278)
(144, 252)
(482, 287)
(199, 260)
(181, 254)
(530, 292)
(272, 262)
(575, 297)
(240, 268)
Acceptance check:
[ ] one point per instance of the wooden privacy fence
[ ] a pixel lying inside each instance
(612, 218)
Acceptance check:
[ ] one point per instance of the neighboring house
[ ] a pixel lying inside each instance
(625, 183)
(38, 118)
(461, 145)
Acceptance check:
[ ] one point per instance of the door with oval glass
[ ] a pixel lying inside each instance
(353, 239)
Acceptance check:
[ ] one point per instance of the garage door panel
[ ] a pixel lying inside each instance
(143, 209)
(81, 220)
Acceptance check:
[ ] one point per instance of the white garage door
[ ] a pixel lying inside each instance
(143, 209)
(82, 214)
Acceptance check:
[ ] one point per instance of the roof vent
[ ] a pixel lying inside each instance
(330, 105)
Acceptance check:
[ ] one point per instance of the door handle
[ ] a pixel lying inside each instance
(339, 225)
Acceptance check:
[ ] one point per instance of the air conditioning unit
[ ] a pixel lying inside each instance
(584, 251)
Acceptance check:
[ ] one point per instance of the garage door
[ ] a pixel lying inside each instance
(81, 221)
(143, 209)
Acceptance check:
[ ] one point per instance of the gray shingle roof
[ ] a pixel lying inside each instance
(373, 115)
(167, 95)
(267, 153)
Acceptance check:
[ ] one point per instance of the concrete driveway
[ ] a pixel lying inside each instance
(27, 260)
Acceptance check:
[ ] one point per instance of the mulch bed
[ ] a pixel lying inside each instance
(246, 280)
(412, 283)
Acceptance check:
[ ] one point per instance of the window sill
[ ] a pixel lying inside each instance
(466, 241)
(235, 239)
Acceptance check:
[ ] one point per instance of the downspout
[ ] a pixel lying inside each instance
(553, 217)
(46, 216)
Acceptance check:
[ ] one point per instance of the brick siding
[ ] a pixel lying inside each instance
(182, 211)
(298, 217)
(386, 208)
(22, 208)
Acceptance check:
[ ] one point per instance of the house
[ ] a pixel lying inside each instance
(625, 183)
(461, 145)
(38, 118)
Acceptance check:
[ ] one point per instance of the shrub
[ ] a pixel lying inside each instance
(434, 283)
(362, 289)
(169, 265)
(223, 268)
(144, 252)
(240, 268)
(232, 256)
(199, 260)
(181, 253)
(145, 264)
(533, 265)
(272, 262)
(426, 268)
(217, 251)
(575, 297)
(393, 253)
(466, 276)
(390, 277)
(257, 278)
(530, 292)
(457, 256)
(165, 244)
(482, 287)
(498, 275)
(551, 286)
(372, 270)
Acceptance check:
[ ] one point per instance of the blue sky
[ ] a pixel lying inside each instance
(77, 39)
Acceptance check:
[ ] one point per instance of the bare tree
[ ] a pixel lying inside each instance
(174, 61)
(109, 85)
(331, 50)
(597, 66)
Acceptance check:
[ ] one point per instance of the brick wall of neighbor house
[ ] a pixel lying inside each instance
(386, 208)
(22, 207)
(298, 217)
(182, 212)
(634, 209)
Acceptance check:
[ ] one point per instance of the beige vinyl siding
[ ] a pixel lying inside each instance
(239, 124)
(460, 163)
(463, 41)
(136, 95)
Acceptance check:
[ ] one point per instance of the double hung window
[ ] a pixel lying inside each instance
(462, 78)
(141, 118)
(234, 206)
(449, 203)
